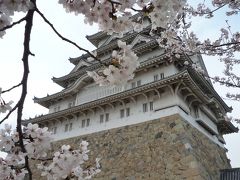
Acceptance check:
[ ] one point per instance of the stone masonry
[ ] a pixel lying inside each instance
(168, 148)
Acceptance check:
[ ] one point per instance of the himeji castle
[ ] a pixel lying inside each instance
(166, 123)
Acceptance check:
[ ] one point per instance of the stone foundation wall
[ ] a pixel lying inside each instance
(163, 149)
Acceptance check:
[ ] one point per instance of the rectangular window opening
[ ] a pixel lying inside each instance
(54, 130)
(139, 83)
(83, 123)
(121, 113)
(155, 77)
(127, 112)
(133, 84)
(162, 75)
(107, 117)
(70, 126)
(70, 105)
(88, 122)
(66, 128)
(101, 118)
(151, 106)
(145, 107)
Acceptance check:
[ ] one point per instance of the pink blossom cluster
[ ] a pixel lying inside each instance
(124, 63)
(9, 140)
(8, 9)
(68, 163)
(234, 6)
(115, 16)
(36, 144)
(37, 140)
(233, 96)
(232, 119)
(4, 107)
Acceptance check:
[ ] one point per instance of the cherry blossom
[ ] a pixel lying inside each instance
(115, 16)
(65, 163)
(123, 64)
(68, 163)
(4, 107)
(38, 142)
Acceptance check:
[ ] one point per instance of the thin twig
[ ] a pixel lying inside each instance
(223, 82)
(224, 44)
(42, 159)
(8, 114)
(218, 8)
(12, 88)
(13, 24)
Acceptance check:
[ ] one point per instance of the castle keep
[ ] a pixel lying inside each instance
(166, 123)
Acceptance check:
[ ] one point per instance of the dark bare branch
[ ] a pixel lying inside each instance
(8, 114)
(25, 59)
(13, 24)
(12, 88)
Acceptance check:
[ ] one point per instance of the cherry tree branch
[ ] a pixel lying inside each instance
(224, 44)
(64, 38)
(8, 114)
(25, 58)
(13, 24)
(19, 84)
(220, 7)
(43, 159)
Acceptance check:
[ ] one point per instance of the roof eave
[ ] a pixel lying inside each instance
(226, 127)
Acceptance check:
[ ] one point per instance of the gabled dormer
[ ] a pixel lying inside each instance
(81, 65)
(96, 38)
(139, 39)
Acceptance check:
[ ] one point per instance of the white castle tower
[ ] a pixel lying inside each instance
(166, 123)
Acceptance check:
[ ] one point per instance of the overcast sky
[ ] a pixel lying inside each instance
(51, 59)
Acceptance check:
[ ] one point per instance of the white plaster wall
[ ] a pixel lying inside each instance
(183, 104)
(162, 107)
(136, 112)
(194, 123)
(149, 55)
(93, 91)
(205, 108)
(62, 104)
(207, 120)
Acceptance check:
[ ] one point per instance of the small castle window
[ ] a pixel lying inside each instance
(58, 108)
(83, 123)
(101, 118)
(139, 83)
(151, 106)
(155, 77)
(66, 128)
(133, 84)
(88, 122)
(121, 113)
(145, 108)
(127, 112)
(70, 126)
(162, 75)
(107, 117)
(54, 130)
(196, 112)
(71, 104)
